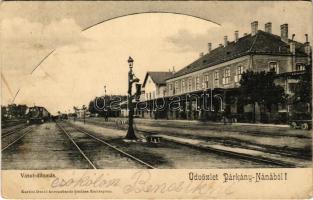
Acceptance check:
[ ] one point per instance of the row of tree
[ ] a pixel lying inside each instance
(104, 105)
(260, 88)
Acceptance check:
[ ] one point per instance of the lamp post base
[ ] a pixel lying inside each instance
(130, 134)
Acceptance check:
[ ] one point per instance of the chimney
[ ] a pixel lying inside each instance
(292, 45)
(225, 40)
(209, 47)
(201, 54)
(173, 69)
(268, 27)
(236, 36)
(307, 47)
(306, 38)
(284, 32)
(254, 28)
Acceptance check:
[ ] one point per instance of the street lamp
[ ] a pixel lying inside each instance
(105, 107)
(130, 62)
(130, 132)
(84, 110)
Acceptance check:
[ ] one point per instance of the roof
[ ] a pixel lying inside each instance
(260, 43)
(157, 77)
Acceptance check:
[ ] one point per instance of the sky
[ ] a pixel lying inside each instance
(85, 59)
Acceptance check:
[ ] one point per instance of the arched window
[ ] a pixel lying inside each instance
(206, 81)
(273, 66)
(198, 82)
(189, 84)
(216, 79)
(183, 86)
(176, 87)
(226, 79)
(239, 72)
(300, 67)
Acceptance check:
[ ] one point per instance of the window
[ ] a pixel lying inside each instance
(238, 73)
(300, 67)
(183, 85)
(273, 66)
(189, 84)
(206, 81)
(226, 76)
(176, 87)
(216, 79)
(198, 83)
(292, 87)
(171, 87)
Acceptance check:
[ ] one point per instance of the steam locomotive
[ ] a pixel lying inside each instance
(37, 114)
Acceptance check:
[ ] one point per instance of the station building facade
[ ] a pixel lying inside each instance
(219, 71)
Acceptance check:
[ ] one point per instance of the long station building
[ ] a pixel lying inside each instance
(220, 70)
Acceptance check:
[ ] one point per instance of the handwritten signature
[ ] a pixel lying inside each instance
(98, 181)
(141, 182)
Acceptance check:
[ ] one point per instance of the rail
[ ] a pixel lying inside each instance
(111, 146)
(10, 144)
(75, 144)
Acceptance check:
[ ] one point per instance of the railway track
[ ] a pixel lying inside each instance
(17, 139)
(12, 131)
(101, 141)
(5, 125)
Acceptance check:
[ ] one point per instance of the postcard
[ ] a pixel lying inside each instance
(156, 99)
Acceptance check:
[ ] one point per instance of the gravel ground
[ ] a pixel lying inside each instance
(102, 156)
(45, 147)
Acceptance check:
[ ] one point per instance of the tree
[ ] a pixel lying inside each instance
(91, 107)
(303, 92)
(259, 87)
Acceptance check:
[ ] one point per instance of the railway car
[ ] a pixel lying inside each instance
(37, 114)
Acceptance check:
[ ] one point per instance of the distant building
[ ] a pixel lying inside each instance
(13, 111)
(81, 113)
(154, 85)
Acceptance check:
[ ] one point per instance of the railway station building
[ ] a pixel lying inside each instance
(218, 72)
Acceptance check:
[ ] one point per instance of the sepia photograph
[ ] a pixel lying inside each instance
(148, 85)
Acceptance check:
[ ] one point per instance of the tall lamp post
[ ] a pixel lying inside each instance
(106, 113)
(84, 110)
(130, 132)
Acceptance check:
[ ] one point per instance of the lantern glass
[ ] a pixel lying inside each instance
(130, 62)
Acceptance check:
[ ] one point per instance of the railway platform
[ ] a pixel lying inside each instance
(278, 144)
(280, 155)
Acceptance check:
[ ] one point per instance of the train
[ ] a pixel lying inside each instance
(37, 114)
